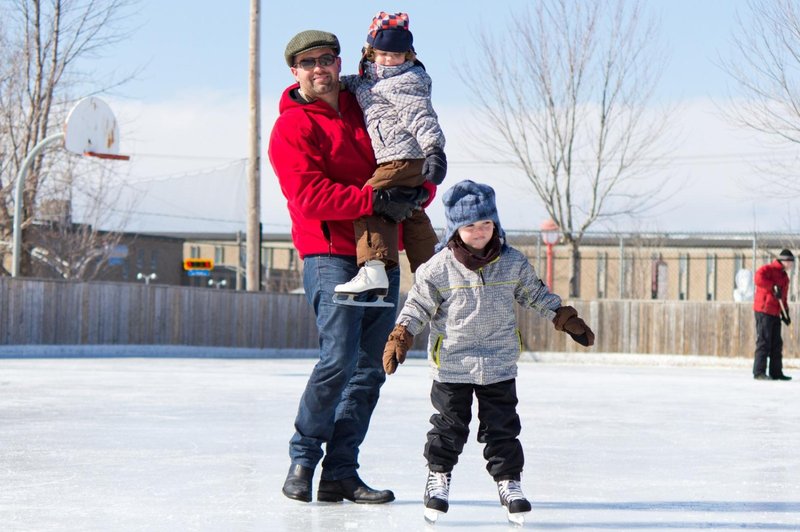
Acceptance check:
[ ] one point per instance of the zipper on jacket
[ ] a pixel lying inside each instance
(480, 272)
(378, 131)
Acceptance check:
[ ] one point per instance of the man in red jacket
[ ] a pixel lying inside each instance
(771, 307)
(321, 152)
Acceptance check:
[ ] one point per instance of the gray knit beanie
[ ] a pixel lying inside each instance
(310, 40)
(465, 203)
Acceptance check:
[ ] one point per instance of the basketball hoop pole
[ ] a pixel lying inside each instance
(20, 185)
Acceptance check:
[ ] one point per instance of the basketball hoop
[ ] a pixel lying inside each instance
(90, 129)
(113, 156)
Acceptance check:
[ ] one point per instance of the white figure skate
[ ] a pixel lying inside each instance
(514, 500)
(371, 279)
(437, 492)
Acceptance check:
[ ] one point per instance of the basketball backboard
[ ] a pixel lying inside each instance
(91, 129)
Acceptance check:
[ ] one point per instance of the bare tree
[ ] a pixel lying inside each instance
(44, 59)
(60, 246)
(765, 68)
(565, 94)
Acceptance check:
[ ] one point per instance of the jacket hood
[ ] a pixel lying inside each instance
(290, 99)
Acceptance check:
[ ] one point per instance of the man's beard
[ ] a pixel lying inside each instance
(318, 89)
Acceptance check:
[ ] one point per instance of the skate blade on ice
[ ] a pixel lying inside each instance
(350, 299)
(431, 515)
(517, 519)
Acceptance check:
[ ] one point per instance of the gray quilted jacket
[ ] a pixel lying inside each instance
(474, 336)
(396, 101)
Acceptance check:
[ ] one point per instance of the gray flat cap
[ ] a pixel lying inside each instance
(309, 40)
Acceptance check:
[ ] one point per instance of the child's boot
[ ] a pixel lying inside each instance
(437, 492)
(514, 500)
(371, 276)
(370, 279)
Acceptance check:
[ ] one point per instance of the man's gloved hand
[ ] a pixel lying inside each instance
(397, 346)
(785, 318)
(567, 320)
(435, 167)
(777, 291)
(397, 203)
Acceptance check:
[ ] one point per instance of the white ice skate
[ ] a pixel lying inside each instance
(371, 279)
(437, 492)
(514, 500)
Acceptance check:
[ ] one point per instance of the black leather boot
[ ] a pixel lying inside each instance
(352, 489)
(298, 483)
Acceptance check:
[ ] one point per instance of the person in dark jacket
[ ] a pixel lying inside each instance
(321, 153)
(771, 308)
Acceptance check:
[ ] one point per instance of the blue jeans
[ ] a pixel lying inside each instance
(344, 386)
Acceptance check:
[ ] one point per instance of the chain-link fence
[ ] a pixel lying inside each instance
(689, 267)
(667, 266)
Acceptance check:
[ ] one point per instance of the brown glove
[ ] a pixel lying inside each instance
(397, 346)
(567, 320)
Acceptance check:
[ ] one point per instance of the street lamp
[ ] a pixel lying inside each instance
(146, 278)
(550, 235)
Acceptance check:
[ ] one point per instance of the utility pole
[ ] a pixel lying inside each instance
(253, 265)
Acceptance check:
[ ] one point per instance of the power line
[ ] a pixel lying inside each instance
(713, 158)
(185, 156)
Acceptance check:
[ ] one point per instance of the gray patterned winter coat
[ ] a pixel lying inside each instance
(396, 101)
(474, 336)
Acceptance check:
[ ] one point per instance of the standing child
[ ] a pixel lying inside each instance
(467, 292)
(394, 92)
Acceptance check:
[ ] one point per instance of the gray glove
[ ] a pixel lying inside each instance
(397, 203)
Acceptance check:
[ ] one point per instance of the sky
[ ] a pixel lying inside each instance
(184, 120)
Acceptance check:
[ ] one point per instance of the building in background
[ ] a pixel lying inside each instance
(678, 267)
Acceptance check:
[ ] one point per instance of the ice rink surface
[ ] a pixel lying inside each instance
(201, 444)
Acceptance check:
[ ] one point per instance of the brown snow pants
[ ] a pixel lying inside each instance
(378, 238)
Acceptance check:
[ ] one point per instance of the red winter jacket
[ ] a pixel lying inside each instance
(322, 159)
(768, 276)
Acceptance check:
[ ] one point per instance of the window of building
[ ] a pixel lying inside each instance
(711, 277)
(194, 252)
(659, 272)
(602, 275)
(139, 259)
(627, 277)
(683, 276)
(219, 254)
(154, 260)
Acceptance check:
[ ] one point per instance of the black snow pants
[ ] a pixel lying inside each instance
(769, 344)
(498, 428)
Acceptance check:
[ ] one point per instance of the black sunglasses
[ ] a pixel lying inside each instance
(309, 64)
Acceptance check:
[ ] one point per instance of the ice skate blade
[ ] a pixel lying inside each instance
(517, 519)
(431, 515)
(350, 300)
